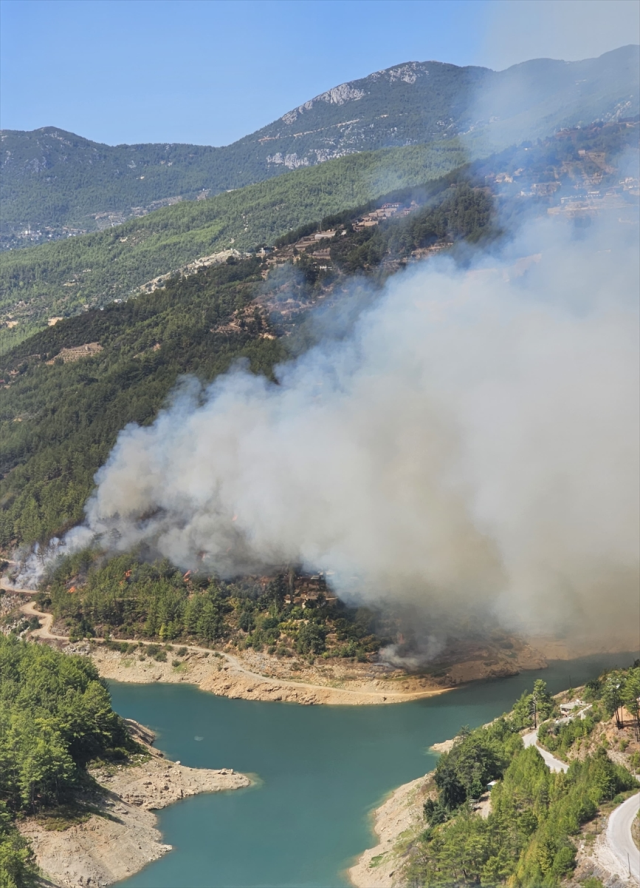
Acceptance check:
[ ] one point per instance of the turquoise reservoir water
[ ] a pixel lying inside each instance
(322, 770)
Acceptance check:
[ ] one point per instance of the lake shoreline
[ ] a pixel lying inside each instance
(399, 815)
(249, 674)
(399, 819)
(244, 678)
(253, 675)
(122, 836)
(347, 759)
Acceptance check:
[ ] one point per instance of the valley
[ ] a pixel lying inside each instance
(341, 415)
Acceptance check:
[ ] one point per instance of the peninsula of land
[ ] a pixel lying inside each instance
(250, 674)
(114, 833)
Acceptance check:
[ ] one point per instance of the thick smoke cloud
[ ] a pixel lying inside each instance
(473, 443)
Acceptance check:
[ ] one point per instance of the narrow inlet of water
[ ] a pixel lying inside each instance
(322, 770)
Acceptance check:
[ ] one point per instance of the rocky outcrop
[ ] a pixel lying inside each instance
(139, 732)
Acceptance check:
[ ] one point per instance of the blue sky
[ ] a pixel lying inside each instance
(211, 71)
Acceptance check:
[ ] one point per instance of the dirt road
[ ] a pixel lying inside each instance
(359, 695)
(46, 621)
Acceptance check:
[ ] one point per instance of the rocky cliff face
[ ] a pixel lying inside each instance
(421, 102)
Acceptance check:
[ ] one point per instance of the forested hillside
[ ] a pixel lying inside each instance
(431, 101)
(533, 820)
(54, 181)
(61, 278)
(55, 717)
(288, 615)
(67, 277)
(59, 420)
(70, 388)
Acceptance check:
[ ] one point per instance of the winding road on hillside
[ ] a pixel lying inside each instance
(619, 838)
(553, 763)
(29, 609)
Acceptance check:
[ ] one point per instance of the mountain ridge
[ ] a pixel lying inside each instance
(54, 280)
(56, 183)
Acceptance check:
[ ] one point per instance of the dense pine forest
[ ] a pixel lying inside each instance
(55, 717)
(125, 597)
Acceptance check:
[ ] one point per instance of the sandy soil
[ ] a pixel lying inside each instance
(248, 677)
(256, 676)
(445, 746)
(598, 860)
(123, 836)
(399, 818)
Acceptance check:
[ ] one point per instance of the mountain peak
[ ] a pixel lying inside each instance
(410, 103)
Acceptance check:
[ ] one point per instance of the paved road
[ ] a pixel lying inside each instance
(619, 835)
(553, 763)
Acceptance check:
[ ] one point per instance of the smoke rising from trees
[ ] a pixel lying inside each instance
(472, 443)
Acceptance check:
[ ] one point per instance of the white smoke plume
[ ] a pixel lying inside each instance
(473, 443)
(472, 446)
